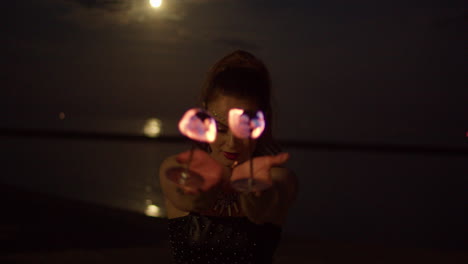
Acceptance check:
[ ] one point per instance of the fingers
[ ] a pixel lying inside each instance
(269, 161)
(187, 190)
(183, 157)
(212, 178)
(279, 159)
(203, 165)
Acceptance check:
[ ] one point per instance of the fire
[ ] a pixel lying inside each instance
(246, 124)
(198, 125)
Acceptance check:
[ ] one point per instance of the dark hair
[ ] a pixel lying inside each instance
(241, 74)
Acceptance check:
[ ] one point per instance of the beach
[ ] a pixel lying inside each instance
(56, 230)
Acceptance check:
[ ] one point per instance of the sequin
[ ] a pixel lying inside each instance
(214, 239)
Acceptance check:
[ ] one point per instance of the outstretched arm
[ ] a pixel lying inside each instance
(186, 198)
(272, 204)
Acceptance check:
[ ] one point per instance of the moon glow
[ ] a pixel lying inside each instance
(155, 3)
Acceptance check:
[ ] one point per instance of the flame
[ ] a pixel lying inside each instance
(258, 125)
(194, 128)
(243, 126)
(238, 128)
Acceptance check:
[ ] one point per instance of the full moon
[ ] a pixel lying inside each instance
(155, 3)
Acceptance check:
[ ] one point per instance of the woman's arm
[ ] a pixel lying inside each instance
(272, 204)
(187, 199)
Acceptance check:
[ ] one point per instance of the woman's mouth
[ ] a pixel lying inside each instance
(230, 155)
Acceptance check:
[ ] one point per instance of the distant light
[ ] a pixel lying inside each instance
(152, 127)
(153, 210)
(155, 3)
(61, 115)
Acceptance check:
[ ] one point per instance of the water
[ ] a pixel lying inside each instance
(365, 196)
(123, 174)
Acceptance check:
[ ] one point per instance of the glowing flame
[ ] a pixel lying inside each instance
(246, 125)
(258, 125)
(198, 125)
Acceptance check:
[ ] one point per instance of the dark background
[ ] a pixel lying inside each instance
(370, 99)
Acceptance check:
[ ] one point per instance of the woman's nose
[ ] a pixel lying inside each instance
(232, 141)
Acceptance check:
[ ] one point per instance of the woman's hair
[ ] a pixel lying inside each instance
(241, 74)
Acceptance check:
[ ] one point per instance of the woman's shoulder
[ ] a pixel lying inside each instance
(169, 159)
(171, 210)
(168, 162)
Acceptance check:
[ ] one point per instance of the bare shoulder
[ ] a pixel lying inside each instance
(168, 190)
(168, 162)
(163, 167)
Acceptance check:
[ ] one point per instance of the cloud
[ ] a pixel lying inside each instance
(104, 13)
(109, 5)
(127, 5)
(134, 21)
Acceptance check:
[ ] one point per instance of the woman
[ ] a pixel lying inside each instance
(215, 224)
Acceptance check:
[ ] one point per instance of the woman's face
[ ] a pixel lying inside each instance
(228, 149)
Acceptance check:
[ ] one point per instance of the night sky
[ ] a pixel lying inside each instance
(390, 72)
(374, 71)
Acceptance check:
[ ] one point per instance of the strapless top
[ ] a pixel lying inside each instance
(204, 239)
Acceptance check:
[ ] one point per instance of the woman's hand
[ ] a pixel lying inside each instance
(261, 168)
(205, 166)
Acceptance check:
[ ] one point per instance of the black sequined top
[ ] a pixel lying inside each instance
(208, 239)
